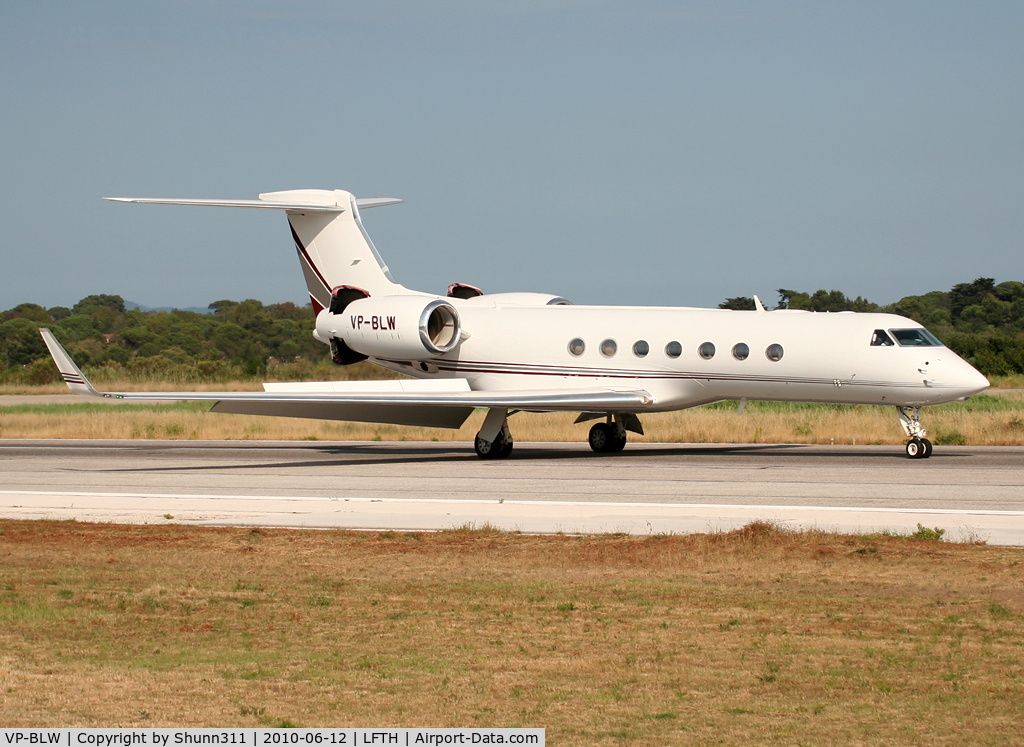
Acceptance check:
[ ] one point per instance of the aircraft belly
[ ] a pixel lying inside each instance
(836, 391)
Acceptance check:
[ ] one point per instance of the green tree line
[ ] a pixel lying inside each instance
(238, 340)
(980, 320)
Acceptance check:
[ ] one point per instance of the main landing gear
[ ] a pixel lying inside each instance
(609, 437)
(494, 441)
(918, 447)
(499, 448)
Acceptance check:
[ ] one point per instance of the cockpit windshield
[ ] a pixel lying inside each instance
(915, 338)
(881, 337)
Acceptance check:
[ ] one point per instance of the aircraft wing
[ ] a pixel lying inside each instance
(441, 404)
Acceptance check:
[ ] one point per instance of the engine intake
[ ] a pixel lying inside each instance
(398, 327)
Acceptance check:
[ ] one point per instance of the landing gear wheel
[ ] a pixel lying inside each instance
(605, 439)
(601, 438)
(927, 448)
(499, 448)
(916, 449)
(486, 449)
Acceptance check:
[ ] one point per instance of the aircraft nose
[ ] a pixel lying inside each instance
(970, 380)
(980, 382)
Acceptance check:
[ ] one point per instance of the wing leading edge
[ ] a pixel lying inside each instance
(413, 405)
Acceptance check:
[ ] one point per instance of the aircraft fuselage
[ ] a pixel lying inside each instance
(824, 357)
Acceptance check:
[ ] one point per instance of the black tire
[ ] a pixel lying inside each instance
(601, 438)
(915, 448)
(487, 449)
(927, 448)
(506, 449)
(618, 444)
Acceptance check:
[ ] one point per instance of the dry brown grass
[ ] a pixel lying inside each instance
(135, 386)
(760, 423)
(1013, 381)
(752, 637)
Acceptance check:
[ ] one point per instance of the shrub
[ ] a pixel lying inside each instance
(927, 534)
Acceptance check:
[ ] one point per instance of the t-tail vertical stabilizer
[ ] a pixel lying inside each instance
(334, 248)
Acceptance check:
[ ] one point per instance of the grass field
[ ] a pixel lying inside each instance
(758, 636)
(982, 420)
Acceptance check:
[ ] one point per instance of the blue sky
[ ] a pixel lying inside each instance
(638, 153)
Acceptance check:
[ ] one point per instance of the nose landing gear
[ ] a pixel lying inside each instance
(918, 447)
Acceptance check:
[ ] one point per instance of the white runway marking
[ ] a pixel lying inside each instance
(466, 501)
(355, 512)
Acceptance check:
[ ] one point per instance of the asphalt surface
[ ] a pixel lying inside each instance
(973, 492)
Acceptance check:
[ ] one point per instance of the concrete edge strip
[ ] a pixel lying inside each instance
(474, 502)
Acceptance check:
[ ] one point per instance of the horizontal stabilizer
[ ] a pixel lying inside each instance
(313, 205)
(371, 202)
(443, 404)
(258, 204)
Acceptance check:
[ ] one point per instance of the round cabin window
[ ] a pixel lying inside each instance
(577, 346)
(740, 351)
(608, 348)
(641, 348)
(774, 352)
(673, 349)
(706, 350)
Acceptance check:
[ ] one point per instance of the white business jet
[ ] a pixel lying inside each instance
(532, 352)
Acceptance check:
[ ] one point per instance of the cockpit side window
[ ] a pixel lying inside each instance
(881, 338)
(915, 338)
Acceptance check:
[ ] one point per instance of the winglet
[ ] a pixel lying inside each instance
(71, 373)
(758, 305)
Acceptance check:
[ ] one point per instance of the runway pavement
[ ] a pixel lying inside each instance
(973, 492)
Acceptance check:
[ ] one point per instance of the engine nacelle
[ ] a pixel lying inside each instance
(405, 328)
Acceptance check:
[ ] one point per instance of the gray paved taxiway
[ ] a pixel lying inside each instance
(970, 491)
